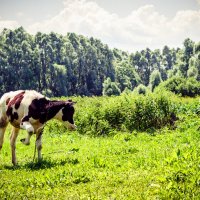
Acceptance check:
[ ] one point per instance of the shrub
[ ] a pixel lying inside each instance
(105, 115)
(141, 89)
(184, 87)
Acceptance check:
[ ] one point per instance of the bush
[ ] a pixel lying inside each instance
(184, 87)
(106, 115)
(141, 89)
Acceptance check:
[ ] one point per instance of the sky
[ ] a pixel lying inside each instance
(128, 25)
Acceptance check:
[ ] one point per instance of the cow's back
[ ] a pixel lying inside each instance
(15, 104)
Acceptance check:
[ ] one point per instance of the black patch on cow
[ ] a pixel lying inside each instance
(7, 101)
(26, 118)
(44, 110)
(9, 111)
(68, 112)
(13, 116)
(3, 122)
(37, 110)
(53, 108)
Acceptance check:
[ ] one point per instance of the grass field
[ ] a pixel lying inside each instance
(152, 164)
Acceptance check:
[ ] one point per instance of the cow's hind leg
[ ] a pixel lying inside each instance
(3, 125)
(2, 131)
(27, 126)
(13, 138)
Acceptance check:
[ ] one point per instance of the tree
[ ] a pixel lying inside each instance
(144, 71)
(59, 82)
(193, 68)
(188, 49)
(187, 54)
(60, 65)
(192, 72)
(126, 76)
(167, 58)
(110, 88)
(155, 79)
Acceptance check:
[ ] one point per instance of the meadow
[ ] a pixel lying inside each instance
(125, 147)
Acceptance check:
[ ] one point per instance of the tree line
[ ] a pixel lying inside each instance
(58, 65)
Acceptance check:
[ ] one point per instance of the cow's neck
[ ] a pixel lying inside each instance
(54, 109)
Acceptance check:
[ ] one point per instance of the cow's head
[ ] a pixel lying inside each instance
(67, 115)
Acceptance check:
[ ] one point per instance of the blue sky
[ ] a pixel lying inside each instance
(126, 24)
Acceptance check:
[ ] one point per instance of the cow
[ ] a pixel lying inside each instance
(30, 110)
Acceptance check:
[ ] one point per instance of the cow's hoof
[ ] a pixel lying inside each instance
(24, 141)
(15, 164)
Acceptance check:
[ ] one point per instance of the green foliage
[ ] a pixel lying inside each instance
(127, 112)
(184, 87)
(156, 164)
(141, 89)
(155, 79)
(188, 49)
(110, 88)
(126, 76)
(192, 72)
(53, 64)
(181, 177)
(194, 67)
(66, 65)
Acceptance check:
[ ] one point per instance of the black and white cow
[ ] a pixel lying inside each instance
(30, 110)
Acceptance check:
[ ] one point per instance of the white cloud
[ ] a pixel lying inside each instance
(198, 1)
(144, 27)
(186, 24)
(11, 24)
(20, 14)
(77, 16)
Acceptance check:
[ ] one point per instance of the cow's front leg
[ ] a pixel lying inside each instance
(39, 142)
(13, 138)
(27, 126)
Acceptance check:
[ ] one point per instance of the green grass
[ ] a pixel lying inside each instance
(154, 164)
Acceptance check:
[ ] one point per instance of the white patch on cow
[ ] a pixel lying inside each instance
(27, 126)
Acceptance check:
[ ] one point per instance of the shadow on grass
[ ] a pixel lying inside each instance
(43, 164)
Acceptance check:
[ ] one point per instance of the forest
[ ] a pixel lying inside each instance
(58, 65)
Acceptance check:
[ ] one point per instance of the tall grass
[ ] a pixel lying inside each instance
(129, 112)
